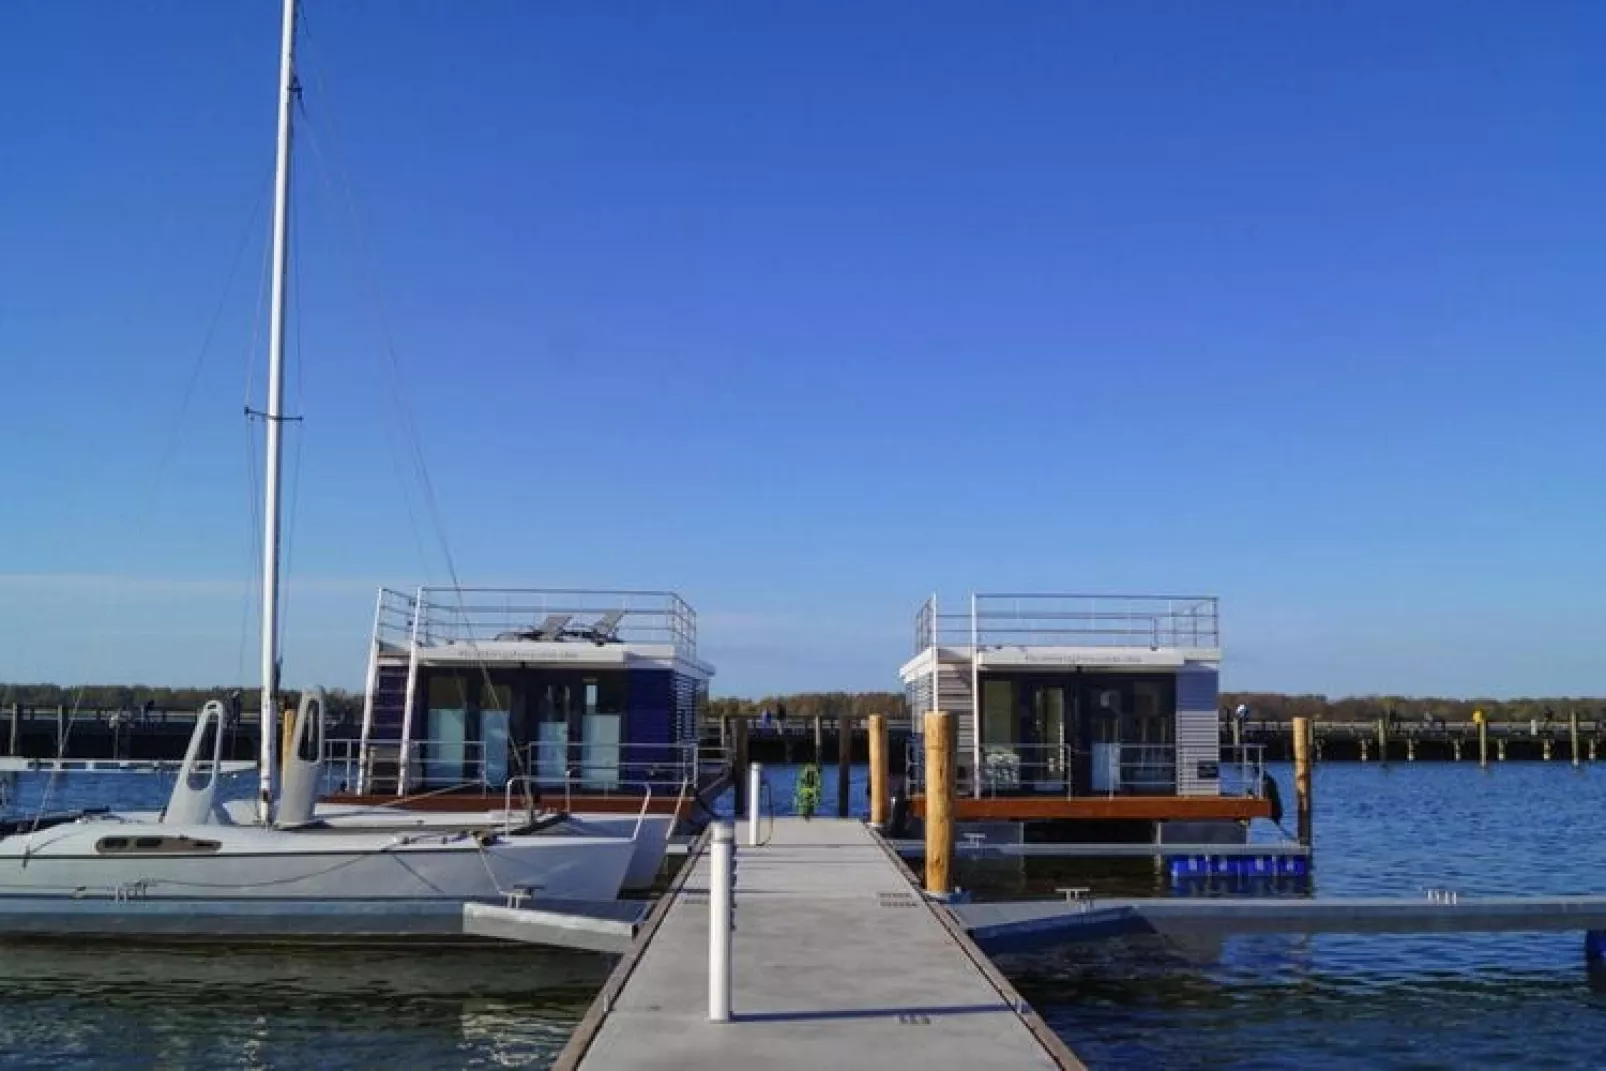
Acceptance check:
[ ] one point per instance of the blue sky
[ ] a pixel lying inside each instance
(808, 310)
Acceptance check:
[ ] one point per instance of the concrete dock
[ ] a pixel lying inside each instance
(838, 962)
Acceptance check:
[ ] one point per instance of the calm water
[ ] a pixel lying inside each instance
(1398, 1001)
(1266, 1001)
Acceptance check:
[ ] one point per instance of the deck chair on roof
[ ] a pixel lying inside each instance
(550, 629)
(604, 629)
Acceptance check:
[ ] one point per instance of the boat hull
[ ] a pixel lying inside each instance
(249, 863)
(645, 862)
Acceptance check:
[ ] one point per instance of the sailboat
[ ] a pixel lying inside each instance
(193, 850)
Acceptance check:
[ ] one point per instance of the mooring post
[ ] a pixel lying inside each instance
(16, 716)
(939, 801)
(878, 771)
(720, 886)
(819, 739)
(755, 782)
(1572, 729)
(1410, 749)
(1483, 742)
(1382, 740)
(1364, 745)
(1500, 749)
(1455, 748)
(61, 730)
(844, 763)
(1302, 778)
(1545, 749)
(739, 762)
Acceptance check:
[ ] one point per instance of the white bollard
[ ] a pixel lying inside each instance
(719, 922)
(755, 779)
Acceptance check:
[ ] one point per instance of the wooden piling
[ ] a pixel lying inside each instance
(1572, 729)
(1410, 749)
(1382, 740)
(1455, 748)
(1545, 749)
(1364, 745)
(1302, 777)
(939, 801)
(844, 764)
(1483, 742)
(819, 739)
(879, 800)
(61, 730)
(1500, 749)
(16, 717)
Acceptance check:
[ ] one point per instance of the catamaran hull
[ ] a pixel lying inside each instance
(249, 863)
(650, 845)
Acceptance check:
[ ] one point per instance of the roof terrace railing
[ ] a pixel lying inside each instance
(442, 615)
(1072, 620)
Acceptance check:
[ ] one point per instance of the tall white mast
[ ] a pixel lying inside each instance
(274, 419)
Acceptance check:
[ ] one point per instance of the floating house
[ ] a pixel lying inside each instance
(590, 697)
(1082, 706)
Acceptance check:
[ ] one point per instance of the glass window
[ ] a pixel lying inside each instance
(998, 713)
(446, 729)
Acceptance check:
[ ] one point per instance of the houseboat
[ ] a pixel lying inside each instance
(1081, 708)
(585, 701)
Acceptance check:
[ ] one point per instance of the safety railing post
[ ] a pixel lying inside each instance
(721, 882)
(755, 779)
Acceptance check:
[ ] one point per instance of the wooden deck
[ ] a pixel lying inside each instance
(839, 962)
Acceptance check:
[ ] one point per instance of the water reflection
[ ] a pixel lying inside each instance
(195, 1006)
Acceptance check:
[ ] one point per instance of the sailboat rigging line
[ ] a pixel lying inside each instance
(145, 502)
(297, 364)
(394, 381)
(252, 603)
(199, 363)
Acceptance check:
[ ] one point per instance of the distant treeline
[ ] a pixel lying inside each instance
(1263, 706)
(135, 696)
(1272, 706)
(805, 705)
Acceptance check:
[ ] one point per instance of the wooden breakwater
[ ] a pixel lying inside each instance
(128, 735)
(1566, 739)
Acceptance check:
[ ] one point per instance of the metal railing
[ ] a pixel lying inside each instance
(443, 615)
(1072, 620)
(436, 764)
(1097, 620)
(611, 769)
(1243, 770)
(1006, 770)
(1110, 770)
(585, 768)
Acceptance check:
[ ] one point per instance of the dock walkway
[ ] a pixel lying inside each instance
(838, 962)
